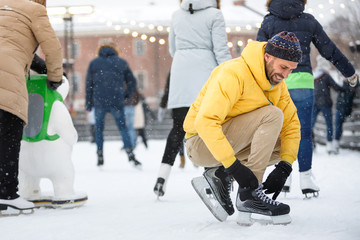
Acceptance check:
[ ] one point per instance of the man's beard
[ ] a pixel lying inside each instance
(270, 73)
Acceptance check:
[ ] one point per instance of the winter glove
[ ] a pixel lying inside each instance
(353, 80)
(243, 175)
(53, 85)
(277, 178)
(161, 114)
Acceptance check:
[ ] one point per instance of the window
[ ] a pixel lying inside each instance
(139, 47)
(75, 82)
(75, 50)
(105, 40)
(141, 80)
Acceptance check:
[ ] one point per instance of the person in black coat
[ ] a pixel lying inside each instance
(106, 76)
(288, 15)
(344, 104)
(323, 83)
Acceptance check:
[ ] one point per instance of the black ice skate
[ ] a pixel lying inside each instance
(214, 190)
(250, 201)
(159, 188)
(133, 160)
(100, 158)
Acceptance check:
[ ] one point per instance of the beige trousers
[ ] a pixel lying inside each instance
(254, 137)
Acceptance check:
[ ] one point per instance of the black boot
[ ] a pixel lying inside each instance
(159, 187)
(132, 159)
(100, 157)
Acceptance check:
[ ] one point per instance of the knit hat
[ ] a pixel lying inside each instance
(284, 45)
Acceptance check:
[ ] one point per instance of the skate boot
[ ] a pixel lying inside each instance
(308, 185)
(160, 185)
(336, 146)
(329, 148)
(214, 190)
(19, 204)
(287, 185)
(133, 160)
(182, 161)
(100, 158)
(249, 201)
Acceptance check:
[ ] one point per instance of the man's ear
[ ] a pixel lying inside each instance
(267, 57)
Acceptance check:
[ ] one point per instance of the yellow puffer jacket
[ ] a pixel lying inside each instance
(235, 87)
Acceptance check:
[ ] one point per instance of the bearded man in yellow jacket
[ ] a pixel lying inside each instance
(243, 121)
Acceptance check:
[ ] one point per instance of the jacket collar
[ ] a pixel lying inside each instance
(253, 55)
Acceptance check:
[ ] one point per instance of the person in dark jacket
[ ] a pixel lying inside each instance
(323, 83)
(106, 76)
(344, 104)
(288, 15)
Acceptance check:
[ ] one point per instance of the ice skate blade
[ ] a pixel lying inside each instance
(9, 211)
(201, 185)
(309, 193)
(245, 219)
(285, 189)
(158, 193)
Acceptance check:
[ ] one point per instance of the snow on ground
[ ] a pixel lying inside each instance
(122, 204)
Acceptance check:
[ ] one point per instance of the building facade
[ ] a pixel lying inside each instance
(147, 54)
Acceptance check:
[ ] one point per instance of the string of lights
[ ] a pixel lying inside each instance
(148, 31)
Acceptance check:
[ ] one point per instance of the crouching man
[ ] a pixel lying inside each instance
(243, 121)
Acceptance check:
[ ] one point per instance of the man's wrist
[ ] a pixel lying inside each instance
(286, 166)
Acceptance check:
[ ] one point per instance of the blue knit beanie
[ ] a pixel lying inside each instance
(284, 45)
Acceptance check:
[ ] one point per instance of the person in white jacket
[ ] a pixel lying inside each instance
(197, 43)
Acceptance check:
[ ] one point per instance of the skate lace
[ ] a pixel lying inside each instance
(263, 197)
(229, 186)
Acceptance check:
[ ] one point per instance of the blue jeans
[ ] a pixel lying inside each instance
(304, 102)
(119, 117)
(129, 119)
(339, 120)
(327, 112)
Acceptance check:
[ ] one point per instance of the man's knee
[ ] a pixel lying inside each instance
(274, 114)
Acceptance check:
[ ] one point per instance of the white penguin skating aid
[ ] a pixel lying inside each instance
(47, 146)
